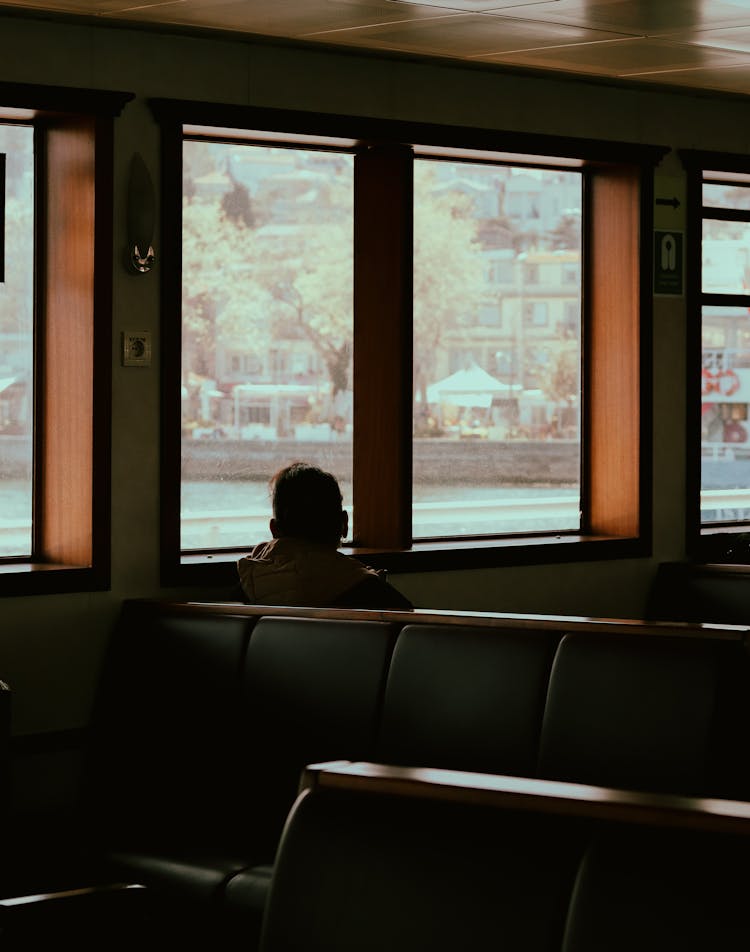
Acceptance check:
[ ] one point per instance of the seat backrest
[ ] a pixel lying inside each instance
(312, 691)
(648, 713)
(657, 889)
(369, 872)
(682, 591)
(165, 745)
(376, 857)
(466, 698)
(5, 733)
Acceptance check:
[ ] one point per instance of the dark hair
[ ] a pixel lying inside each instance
(307, 503)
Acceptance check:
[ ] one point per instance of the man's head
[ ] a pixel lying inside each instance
(307, 504)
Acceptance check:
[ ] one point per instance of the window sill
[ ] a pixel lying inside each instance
(45, 578)
(218, 568)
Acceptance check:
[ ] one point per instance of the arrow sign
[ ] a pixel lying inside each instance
(674, 202)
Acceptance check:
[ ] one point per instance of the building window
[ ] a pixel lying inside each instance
(490, 315)
(361, 263)
(55, 326)
(536, 313)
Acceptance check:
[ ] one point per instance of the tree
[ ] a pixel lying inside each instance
(237, 204)
(448, 274)
(566, 234)
(198, 159)
(320, 295)
(16, 291)
(259, 279)
(221, 294)
(561, 383)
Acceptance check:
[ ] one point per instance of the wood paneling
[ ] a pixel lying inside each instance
(612, 345)
(63, 520)
(382, 347)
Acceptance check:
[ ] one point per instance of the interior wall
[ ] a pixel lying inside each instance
(51, 646)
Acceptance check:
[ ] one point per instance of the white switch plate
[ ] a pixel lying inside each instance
(136, 348)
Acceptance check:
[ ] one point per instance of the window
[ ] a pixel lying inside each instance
(470, 412)
(448, 404)
(55, 358)
(17, 340)
(281, 224)
(723, 302)
(718, 489)
(490, 315)
(536, 313)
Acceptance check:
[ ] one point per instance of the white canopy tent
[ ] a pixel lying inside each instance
(470, 387)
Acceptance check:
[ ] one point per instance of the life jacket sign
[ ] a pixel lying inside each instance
(668, 263)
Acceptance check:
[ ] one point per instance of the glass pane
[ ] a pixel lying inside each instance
(267, 330)
(725, 428)
(727, 195)
(17, 344)
(496, 398)
(726, 257)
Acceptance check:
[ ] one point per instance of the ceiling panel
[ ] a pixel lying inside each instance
(467, 36)
(479, 6)
(290, 18)
(89, 7)
(695, 43)
(737, 39)
(624, 58)
(731, 79)
(643, 17)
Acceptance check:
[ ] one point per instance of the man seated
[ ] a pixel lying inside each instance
(301, 564)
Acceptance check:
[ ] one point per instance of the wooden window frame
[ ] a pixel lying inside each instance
(73, 131)
(616, 323)
(723, 543)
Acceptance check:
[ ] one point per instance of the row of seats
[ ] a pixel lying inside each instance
(461, 866)
(695, 592)
(207, 715)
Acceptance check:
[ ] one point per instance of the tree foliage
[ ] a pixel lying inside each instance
(221, 295)
(566, 235)
(448, 274)
(562, 381)
(237, 205)
(259, 280)
(16, 292)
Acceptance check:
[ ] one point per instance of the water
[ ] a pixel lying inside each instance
(235, 514)
(15, 518)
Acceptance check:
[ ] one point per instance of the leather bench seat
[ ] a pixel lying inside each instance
(648, 713)
(203, 729)
(531, 866)
(370, 872)
(207, 716)
(466, 698)
(657, 890)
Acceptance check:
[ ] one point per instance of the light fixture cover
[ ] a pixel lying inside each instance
(141, 214)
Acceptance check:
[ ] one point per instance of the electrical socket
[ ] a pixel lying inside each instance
(136, 349)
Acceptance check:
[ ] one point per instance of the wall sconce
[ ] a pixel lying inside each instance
(141, 215)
